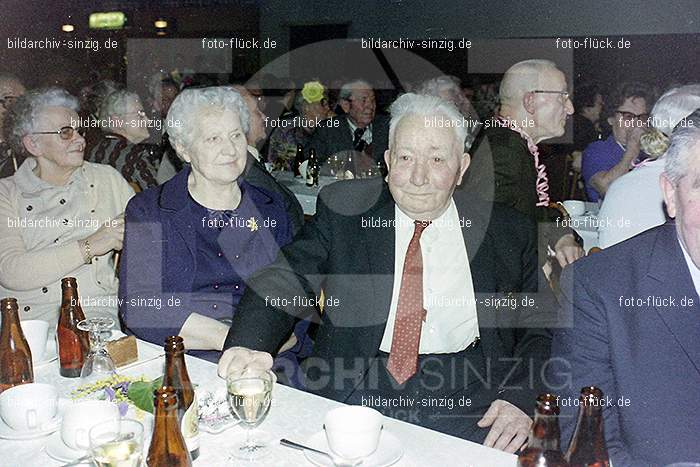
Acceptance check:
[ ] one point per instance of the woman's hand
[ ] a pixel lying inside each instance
(108, 237)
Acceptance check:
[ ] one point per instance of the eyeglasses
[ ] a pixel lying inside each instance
(629, 116)
(563, 94)
(7, 101)
(66, 132)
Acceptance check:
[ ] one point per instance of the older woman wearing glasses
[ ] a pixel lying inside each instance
(59, 215)
(192, 243)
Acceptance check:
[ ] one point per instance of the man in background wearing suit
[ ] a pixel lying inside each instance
(360, 133)
(634, 327)
(410, 275)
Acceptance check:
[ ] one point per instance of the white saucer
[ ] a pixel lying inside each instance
(388, 452)
(49, 427)
(50, 354)
(57, 449)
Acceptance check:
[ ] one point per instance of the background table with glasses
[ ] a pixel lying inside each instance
(294, 415)
(305, 194)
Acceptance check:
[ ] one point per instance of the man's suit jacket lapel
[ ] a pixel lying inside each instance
(669, 277)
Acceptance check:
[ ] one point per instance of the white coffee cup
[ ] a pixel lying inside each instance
(80, 417)
(29, 406)
(36, 332)
(574, 207)
(353, 431)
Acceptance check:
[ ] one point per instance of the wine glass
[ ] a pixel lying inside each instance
(98, 364)
(250, 397)
(117, 443)
(336, 164)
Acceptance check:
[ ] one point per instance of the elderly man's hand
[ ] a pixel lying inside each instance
(510, 426)
(567, 250)
(240, 361)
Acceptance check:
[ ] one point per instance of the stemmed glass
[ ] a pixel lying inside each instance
(250, 397)
(336, 164)
(98, 364)
(117, 443)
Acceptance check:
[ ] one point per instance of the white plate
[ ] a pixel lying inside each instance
(50, 354)
(57, 449)
(388, 452)
(8, 433)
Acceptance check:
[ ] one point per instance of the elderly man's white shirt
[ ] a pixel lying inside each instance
(366, 136)
(451, 323)
(694, 270)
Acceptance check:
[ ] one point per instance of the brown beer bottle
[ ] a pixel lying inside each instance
(73, 344)
(15, 355)
(176, 375)
(543, 446)
(587, 448)
(168, 448)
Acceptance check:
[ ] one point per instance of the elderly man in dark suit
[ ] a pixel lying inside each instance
(360, 133)
(634, 328)
(419, 293)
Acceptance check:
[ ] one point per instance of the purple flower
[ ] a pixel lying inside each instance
(123, 408)
(110, 393)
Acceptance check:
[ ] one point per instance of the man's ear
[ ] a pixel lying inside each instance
(31, 146)
(529, 102)
(611, 121)
(668, 189)
(464, 165)
(345, 105)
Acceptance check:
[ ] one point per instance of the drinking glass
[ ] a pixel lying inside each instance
(98, 364)
(117, 443)
(250, 397)
(336, 164)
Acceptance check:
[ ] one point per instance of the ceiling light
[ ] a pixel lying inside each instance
(160, 24)
(67, 28)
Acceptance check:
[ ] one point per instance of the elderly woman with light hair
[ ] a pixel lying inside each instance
(59, 215)
(122, 144)
(192, 243)
(634, 202)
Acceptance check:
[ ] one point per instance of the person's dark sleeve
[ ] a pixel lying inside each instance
(580, 357)
(532, 338)
(267, 312)
(145, 310)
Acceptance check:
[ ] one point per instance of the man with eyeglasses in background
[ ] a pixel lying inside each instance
(507, 168)
(360, 133)
(606, 161)
(10, 89)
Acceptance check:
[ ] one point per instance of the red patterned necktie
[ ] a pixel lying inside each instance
(410, 314)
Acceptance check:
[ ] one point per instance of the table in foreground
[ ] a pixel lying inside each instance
(294, 415)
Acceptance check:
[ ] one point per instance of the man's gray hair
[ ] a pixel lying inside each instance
(523, 77)
(680, 153)
(117, 103)
(183, 113)
(347, 88)
(433, 86)
(673, 106)
(21, 119)
(427, 106)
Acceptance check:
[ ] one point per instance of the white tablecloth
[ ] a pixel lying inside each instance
(295, 415)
